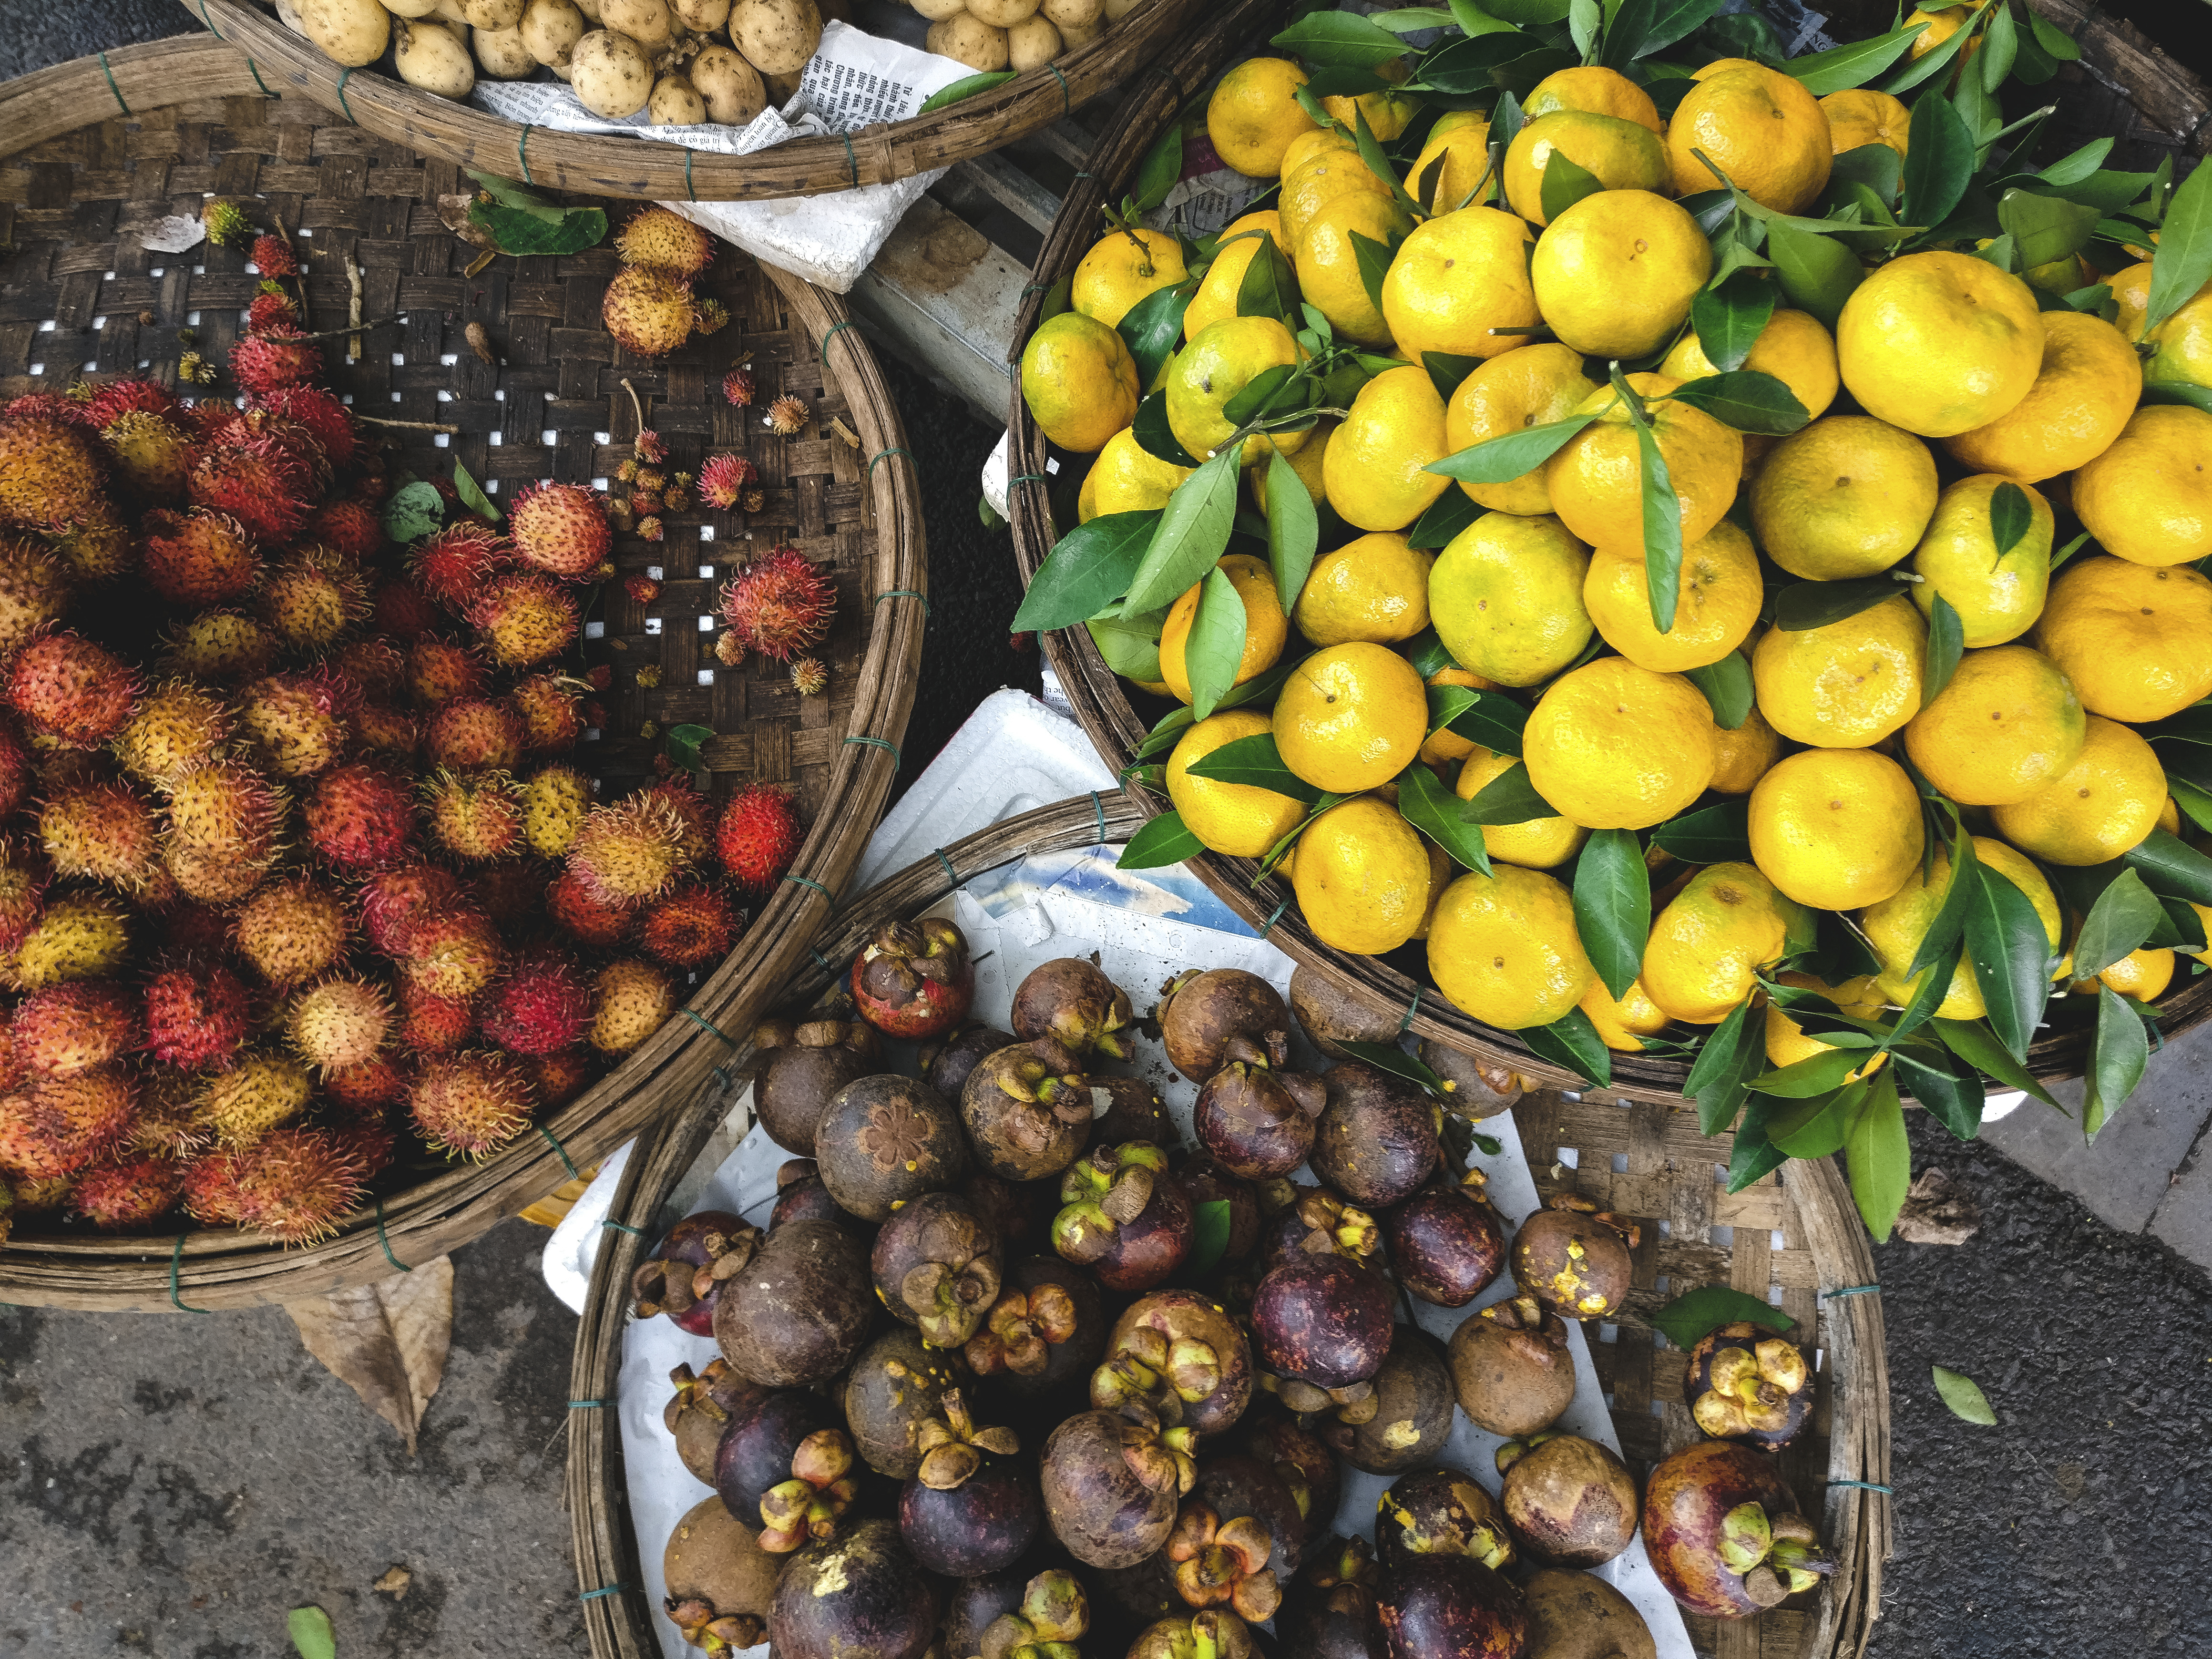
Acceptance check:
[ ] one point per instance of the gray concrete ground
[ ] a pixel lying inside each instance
(171, 1485)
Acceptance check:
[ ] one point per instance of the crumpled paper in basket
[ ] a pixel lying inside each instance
(853, 80)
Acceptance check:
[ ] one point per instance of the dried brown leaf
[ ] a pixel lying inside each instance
(385, 1341)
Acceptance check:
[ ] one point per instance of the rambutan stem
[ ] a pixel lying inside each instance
(299, 277)
(404, 426)
(354, 328)
(636, 408)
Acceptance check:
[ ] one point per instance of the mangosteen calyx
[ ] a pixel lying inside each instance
(730, 1633)
(1224, 1563)
(1336, 1228)
(1053, 1616)
(1163, 1458)
(1215, 1633)
(708, 1392)
(1021, 1330)
(1776, 1556)
(1351, 1565)
(952, 1447)
(1209, 1017)
(1071, 999)
(809, 1504)
(669, 1284)
(1747, 1383)
(945, 1262)
(1443, 1513)
(1354, 1402)
(1163, 1374)
(903, 954)
(1027, 1109)
(1102, 1193)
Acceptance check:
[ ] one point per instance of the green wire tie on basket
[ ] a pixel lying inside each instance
(1066, 104)
(850, 160)
(809, 881)
(884, 743)
(1855, 1289)
(700, 1020)
(884, 454)
(176, 1267)
(345, 76)
(585, 1405)
(1863, 1486)
(616, 1589)
(385, 1241)
(688, 190)
(1099, 807)
(950, 874)
(112, 86)
(624, 1227)
(905, 593)
(521, 152)
(1269, 926)
(829, 334)
(1411, 1008)
(552, 1140)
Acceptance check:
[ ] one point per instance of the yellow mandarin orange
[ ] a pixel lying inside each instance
(1264, 627)
(1122, 270)
(1306, 145)
(1862, 116)
(1322, 177)
(1363, 878)
(1596, 478)
(1599, 90)
(1376, 465)
(1461, 137)
(1715, 607)
(1350, 717)
(1536, 843)
(1614, 274)
(1620, 155)
(2098, 808)
(1895, 927)
(1760, 128)
(1306, 460)
(1373, 588)
(2087, 385)
(1742, 757)
(1226, 357)
(1505, 596)
(1239, 819)
(2148, 498)
(1079, 380)
(1847, 685)
(1613, 746)
(1709, 942)
(1793, 348)
(1388, 113)
(1504, 949)
(1216, 297)
(1623, 1022)
(1939, 344)
(1328, 262)
(1532, 386)
(1254, 113)
(1457, 279)
(1443, 745)
(2143, 975)
(1835, 829)
(2009, 724)
(2136, 640)
(1846, 497)
(1127, 477)
(1997, 596)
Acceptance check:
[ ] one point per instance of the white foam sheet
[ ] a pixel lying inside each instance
(1015, 919)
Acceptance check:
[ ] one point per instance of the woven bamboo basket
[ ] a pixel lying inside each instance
(2122, 84)
(74, 196)
(599, 165)
(1795, 1232)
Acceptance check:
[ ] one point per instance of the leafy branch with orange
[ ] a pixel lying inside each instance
(1681, 549)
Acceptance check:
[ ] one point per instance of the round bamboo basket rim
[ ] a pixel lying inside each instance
(1102, 703)
(206, 1269)
(621, 1624)
(604, 164)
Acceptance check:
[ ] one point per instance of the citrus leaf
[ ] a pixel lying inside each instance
(1131, 645)
(1260, 395)
(1839, 69)
(1931, 994)
(413, 510)
(1976, 1044)
(1950, 1090)
(2059, 556)
(1275, 853)
(471, 494)
(2009, 516)
(1262, 688)
(1374, 259)
(1451, 512)
(1293, 530)
(2123, 917)
(1879, 1156)
(1959, 1392)
(1164, 736)
(1254, 761)
(1433, 810)
(1209, 1228)
(1520, 12)
(1565, 184)
(1746, 399)
(1389, 1057)
(1805, 605)
(681, 745)
(311, 1633)
(1877, 167)
(1087, 569)
(1495, 721)
(2172, 868)
(2045, 229)
(1571, 1041)
(1697, 1314)
(1427, 653)
(1817, 272)
(1412, 20)
(1447, 369)
(1946, 641)
(1150, 327)
(1447, 703)
(1711, 834)
(1163, 839)
(1727, 687)
(1215, 648)
(1269, 286)
(2118, 1052)
(967, 86)
(2011, 958)
(2181, 264)
(1730, 317)
(1939, 160)
(1501, 460)
(2193, 800)
(1935, 61)
(1816, 1075)
(1158, 173)
(2053, 38)
(1155, 436)
(1672, 21)
(2000, 49)
(1949, 926)
(2178, 391)
(509, 194)
(526, 232)
(1341, 38)
(1192, 529)
(1612, 906)
(1814, 1125)
(1729, 1058)
(1584, 19)
(1662, 529)
(1509, 797)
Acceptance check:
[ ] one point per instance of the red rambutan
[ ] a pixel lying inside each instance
(475, 815)
(297, 722)
(545, 1004)
(35, 590)
(270, 311)
(404, 610)
(70, 690)
(393, 901)
(23, 877)
(129, 1193)
(339, 1022)
(584, 916)
(105, 403)
(360, 817)
(376, 663)
(559, 1078)
(263, 484)
(474, 733)
(452, 565)
(470, 1105)
(222, 646)
(438, 671)
(510, 890)
(296, 1184)
(274, 256)
(320, 412)
(392, 732)
(523, 617)
(311, 599)
(197, 557)
(270, 362)
(212, 1193)
(759, 836)
(16, 772)
(561, 528)
(548, 706)
(724, 479)
(692, 927)
(152, 453)
(292, 930)
(779, 606)
(52, 474)
(73, 1027)
(663, 238)
(738, 388)
(225, 810)
(631, 1001)
(432, 1025)
(452, 953)
(196, 1016)
(366, 1088)
(348, 528)
(632, 849)
(102, 831)
(55, 1125)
